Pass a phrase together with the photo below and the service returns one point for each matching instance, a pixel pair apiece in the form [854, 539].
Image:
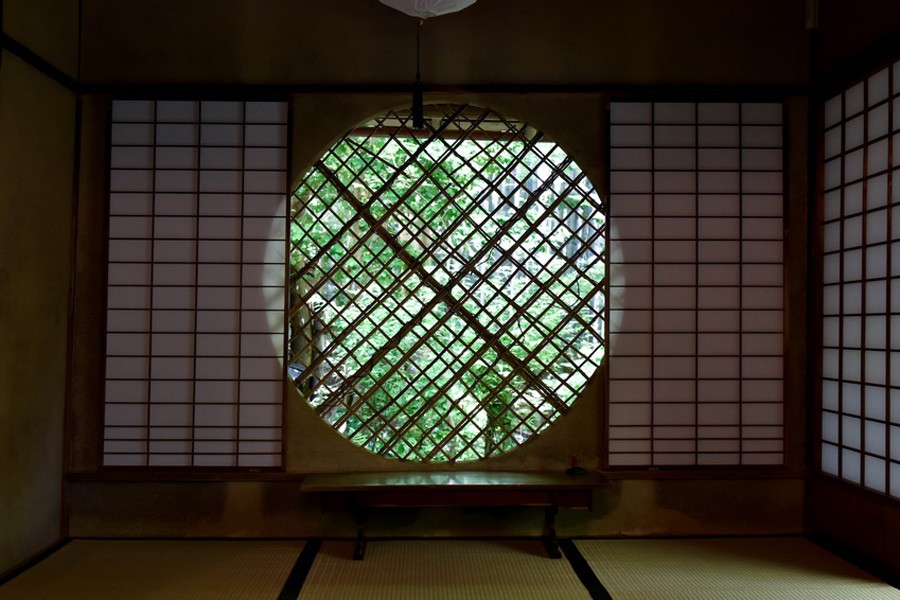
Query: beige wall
[493, 42]
[37, 124]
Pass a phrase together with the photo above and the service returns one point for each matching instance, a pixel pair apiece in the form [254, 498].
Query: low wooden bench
[362, 491]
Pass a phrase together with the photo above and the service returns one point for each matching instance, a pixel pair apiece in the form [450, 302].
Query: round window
[446, 284]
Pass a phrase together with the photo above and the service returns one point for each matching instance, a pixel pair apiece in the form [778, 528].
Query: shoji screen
[696, 284]
[861, 294]
[196, 284]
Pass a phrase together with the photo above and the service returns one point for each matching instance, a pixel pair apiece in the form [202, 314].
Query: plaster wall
[37, 125]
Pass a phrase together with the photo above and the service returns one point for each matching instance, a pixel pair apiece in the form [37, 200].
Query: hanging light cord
[418, 108]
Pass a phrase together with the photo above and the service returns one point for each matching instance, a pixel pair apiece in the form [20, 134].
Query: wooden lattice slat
[447, 284]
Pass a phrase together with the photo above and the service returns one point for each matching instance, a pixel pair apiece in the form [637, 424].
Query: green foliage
[447, 292]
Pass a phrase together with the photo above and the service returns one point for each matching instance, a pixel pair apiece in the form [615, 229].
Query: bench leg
[359, 552]
[551, 543]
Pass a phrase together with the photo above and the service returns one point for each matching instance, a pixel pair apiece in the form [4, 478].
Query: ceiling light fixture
[424, 9]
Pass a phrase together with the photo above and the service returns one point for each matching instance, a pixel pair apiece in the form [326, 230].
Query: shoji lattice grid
[861, 292]
[196, 284]
[696, 284]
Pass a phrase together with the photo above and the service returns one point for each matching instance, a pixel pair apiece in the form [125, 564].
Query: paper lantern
[428, 8]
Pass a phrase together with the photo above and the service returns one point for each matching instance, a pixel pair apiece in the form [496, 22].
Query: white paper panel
[175, 251]
[175, 181]
[133, 110]
[221, 158]
[833, 142]
[127, 344]
[217, 391]
[221, 181]
[628, 391]
[170, 134]
[127, 157]
[852, 331]
[876, 192]
[832, 173]
[830, 455]
[264, 229]
[877, 121]
[722, 390]
[622, 182]
[674, 135]
[265, 182]
[170, 274]
[879, 87]
[671, 368]
[623, 136]
[630, 112]
[263, 321]
[715, 344]
[222, 112]
[831, 300]
[260, 415]
[127, 367]
[174, 227]
[177, 111]
[266, 112]
[718, 112]
[682, 326]
[854, 99]
[853, 265]
[221, 135]
[719, 159]
[761, 113]
[130, 203]
[853, 199]
[172, 368]
[261, 391]
[877, 161]
[265, 158]
[674, 344]
[875, 474]
[759, 136]
[677, 159]
[132, 134]
[854, 133]
[132, 180]
[674, 112]
[675, 205]
[266, 135]
[631, 159]
[718, 182]
[130, 297]
[833, 110]
[217, 368]
[125, 415]
[127, 391]
[718, 136]
[853, 166]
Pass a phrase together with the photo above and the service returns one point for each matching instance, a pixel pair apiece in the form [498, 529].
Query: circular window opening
[446, 284]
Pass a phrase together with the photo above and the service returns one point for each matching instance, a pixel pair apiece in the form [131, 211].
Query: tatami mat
[441, 569]
[144, 569]
[733, 569]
